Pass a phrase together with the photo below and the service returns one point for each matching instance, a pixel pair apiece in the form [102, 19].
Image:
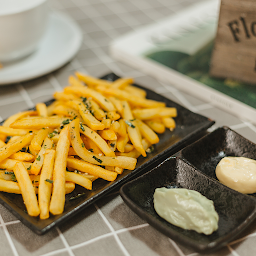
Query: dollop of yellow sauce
[238, 173]
[187, 209]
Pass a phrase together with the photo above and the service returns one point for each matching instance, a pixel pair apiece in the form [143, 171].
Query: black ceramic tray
[189, 127]
[214, 146]
[138, 195]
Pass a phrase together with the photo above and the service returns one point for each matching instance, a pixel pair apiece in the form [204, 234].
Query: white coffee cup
[22, 25]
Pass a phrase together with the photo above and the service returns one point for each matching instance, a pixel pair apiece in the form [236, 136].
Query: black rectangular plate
[189, 127]
[214, 146]
[138, 195]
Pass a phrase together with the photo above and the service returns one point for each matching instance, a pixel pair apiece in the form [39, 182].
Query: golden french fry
[97, 139]
[45, 184]
[79, 179]
[169, 122]
[126, 163]
[9, 186]
[58, 194]
[91, 169]
[156, 126]
[38, 139]
[147, 132]
[12, 132]
[69, 187]
[91, 81]
[38, 123]
[135, 137]
[151, 113]
[127, 113]
[27, 189]
[15, 146]
[41, 109]
[61, 96]
[22, 156]
[13, 187]
[38, 163]
[132, 129]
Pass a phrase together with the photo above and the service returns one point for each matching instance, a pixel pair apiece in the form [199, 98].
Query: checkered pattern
[108, 227]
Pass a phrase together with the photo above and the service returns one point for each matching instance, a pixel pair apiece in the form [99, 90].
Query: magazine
[178, 51]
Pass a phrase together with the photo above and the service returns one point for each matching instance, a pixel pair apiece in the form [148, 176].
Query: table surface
[108, 227]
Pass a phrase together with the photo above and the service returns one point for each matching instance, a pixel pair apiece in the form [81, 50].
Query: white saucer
[61, 42]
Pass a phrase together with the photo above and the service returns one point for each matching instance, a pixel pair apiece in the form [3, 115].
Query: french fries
[95, 129]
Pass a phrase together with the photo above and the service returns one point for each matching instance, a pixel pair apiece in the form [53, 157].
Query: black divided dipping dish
[206, 153]
[196, 170]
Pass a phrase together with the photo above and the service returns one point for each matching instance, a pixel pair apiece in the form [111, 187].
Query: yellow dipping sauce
[187, 209]
[238, 173]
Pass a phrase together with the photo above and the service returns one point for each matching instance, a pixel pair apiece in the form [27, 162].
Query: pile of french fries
[94, 129]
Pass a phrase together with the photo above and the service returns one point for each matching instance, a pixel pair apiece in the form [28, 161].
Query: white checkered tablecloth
[108, 227]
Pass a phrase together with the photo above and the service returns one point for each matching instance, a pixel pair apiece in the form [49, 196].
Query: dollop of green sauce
[187, 209]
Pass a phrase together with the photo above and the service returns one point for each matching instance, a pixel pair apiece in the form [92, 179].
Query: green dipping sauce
[187, 209]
